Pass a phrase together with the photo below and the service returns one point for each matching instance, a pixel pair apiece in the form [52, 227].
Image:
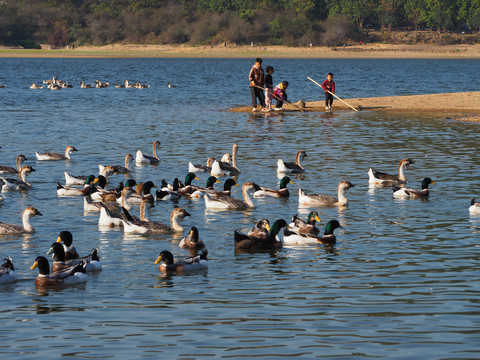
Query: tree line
[288, 22]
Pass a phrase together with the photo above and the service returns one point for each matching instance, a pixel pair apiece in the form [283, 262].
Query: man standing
[257, 79]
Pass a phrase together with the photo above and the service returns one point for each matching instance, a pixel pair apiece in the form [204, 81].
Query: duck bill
[50, 251]
[38, 213]
[158, 260]
[59, 239]
[34, 266]
[267, 226]
[317, 218]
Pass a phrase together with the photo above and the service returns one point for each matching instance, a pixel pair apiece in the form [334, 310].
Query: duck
[142, 226]
[231, 203]
[220, 168]
[402, 192]
[85, 86]
[117, 85]
[18, 184]
[261, 230]
[292, 168]
[194, 263]
[128, 84]
[191, 241]
[169, 192]
[199, 191]
[251, 243]
[141, 86]
[55, 156]
[10, 170]
[120, 169]
[142, 190]
[188, 188]
[60, 263]
[25, 228]
[474, 207]
[72, 275]
[99, 84]
[227, 189]
[67, 238]
[291, 237]
[381, 178]
[111, 213]
[35, 86]
[326, 200]
[201, 168]
[170, 85]
[63, 190]
[7, 271]
[142, 159]
[305, 227]
[118, 195]
[282, 192]
[74, 179]
[2, 86]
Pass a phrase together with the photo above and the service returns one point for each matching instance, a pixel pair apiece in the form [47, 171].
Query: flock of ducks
[115, 206]
[55, 84]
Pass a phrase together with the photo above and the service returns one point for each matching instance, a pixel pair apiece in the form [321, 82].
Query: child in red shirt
[330, 86]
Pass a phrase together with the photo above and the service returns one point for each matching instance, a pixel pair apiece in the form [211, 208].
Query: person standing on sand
[328, 85]
[257, 78]
[268, 89]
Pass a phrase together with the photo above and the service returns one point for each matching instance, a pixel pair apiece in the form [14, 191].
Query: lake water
[402, 280]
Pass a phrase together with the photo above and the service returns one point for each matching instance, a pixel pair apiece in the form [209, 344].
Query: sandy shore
[231, 51]
[460, 106]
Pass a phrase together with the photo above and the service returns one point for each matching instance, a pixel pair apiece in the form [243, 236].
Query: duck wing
[385, 176]
[10, 228]
[8, 170]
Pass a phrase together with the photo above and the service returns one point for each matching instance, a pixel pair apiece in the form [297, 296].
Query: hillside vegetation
[288, 22]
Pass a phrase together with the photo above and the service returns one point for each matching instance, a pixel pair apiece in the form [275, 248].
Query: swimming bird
[10, 170]
[292, 168]
[291, 237]
[71, 275]
[60, 263]
[142, 190]
[191, 241]
[25, 228]
[170, 85]
[221, 168]
[231, 203]
[142, 159]
[63, 190]
[283, 192]
[201, 168]
[128, 84]
[2, 86]
[474, 207]
[55, 156]
[402, 192]
[187, 188]
[381, 178]
[119, 169]
[251, 243]
[99, 84]
[35, 86]
[141, 86]
[67, 238]
[326, 200]
[111, 213]
[85, 86]
[168, 263]
[227, 189]
[18, 184]
[130, 225]
[7, 271]
[199, 191]
[261, 230]
[305, 227]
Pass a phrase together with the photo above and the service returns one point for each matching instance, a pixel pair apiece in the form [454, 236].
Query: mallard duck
[170, 85]
[231, 203]
[71, 275]
[292, 168]
[35, 86]
[261, 230]
[120, 169]
[291, 237]
[142, 159]
[167, 192]
[10, 170]
[67, 238]
[63, 190]
[188, 188]
[100, 84]
[381, 178]
[221, 168]
[191, 241]
[402, 192]
[85, 86]
[227, 189]
[326, 200]
[18, 184]
[116, 194]
[74, 179]
[141, 86]
[283, 192]
[128, 84]
[200, 168]
[130, 225]
[199, 191]
[60, 263]
[246, 242]
[55, 156]
[7, 272]
[193, 263]
[305, 227]
[13, 229]
[142, 190]
[474, 207]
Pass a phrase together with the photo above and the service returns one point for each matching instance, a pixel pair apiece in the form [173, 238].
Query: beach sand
[459, 106]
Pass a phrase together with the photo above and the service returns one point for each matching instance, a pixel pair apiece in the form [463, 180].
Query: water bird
[326, 200]
[261, 230]
[25, 228]
[66, 238]
[305, 227]
[83, 85]
[7, 271]
[2, 86]
[196, 168]
[292, 168]
[221, 168]
[282, 192]
[170, 85]
[56, 156]
[18, 184]
[10, 170]
[231, 203]
[63, 190]
[402, 192]
[192, 241]
[252, 242]
[142, 159]
[381, 178]
[291, 237]
[200, 191]
[72, 275]
[474, 207]
[60, 263]
[169, 264]
[120, 169]
[35, 86]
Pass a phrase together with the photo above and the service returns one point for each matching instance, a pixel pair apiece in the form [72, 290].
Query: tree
[415, 10]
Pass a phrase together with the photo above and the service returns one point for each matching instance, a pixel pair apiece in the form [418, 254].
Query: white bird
[142, 159]
[381, 178]
[474, 207]
[292, 168]
[326, 200]
[26, 227]
[55, 156]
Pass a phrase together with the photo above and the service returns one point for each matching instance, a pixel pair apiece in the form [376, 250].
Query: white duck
[142, 159]
[292, 168]
[55, 156]
[18, 184]
[7, 271]
[117, 169]
[26, 227]
[196, 168]
[381, 178]
[230, 203]
[326, 200]
[222, 168]
[474, 207]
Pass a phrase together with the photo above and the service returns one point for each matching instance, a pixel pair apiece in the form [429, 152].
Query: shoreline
[462, 106]
[365, 51]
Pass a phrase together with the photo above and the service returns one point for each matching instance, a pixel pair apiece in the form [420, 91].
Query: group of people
[261, 88]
